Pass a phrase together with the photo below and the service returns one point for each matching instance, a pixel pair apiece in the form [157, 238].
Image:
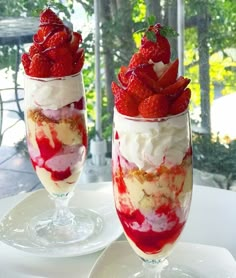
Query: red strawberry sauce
[150, 242]
[48, 149]
[47, 152]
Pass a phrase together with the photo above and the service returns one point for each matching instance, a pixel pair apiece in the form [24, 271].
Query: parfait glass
[152, 184]
[56, 131]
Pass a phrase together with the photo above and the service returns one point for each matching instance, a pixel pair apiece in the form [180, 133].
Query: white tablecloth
[212, 221]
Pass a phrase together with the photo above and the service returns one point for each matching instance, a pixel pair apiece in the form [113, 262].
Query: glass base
[173, 272]
[168, 272]
[45, 231]
[162, 269]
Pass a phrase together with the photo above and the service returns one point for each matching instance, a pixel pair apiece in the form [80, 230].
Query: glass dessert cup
[56, 130]
[152, 184]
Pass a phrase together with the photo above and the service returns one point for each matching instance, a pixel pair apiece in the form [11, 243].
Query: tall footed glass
[55, 116]
[152, 183]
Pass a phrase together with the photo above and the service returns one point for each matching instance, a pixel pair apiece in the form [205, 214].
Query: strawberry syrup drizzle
[149, 241]
[47, 152]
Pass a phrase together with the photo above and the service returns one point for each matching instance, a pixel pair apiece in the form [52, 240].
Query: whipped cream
[53, 93]
[149, 144]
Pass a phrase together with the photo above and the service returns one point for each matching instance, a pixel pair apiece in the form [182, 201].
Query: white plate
[202, 261]
[13, 226]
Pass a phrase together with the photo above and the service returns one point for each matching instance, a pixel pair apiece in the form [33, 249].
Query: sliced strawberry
[169, 76]
[80, 105]
[147, 75]
[59, 69]
[76, 55]
[25, 59]
[57, 39]
[44, 31]
[76, 40]
[40, 66]
[33, 50]
[38, 43]
[115, 88]
[124, 103]
[138, 89]
[122, 76]
[78, 61]
[48, 16]
[136, 60]
[181, 103]
[176, 88]
[155, 106]
[55, 53]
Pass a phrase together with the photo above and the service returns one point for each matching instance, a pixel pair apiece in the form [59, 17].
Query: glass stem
[154, 269]
[62, 216]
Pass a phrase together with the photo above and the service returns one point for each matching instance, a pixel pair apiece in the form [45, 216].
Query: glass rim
[158, 119]
[46, 79]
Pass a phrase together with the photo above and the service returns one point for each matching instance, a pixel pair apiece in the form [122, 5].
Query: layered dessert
[55, 104]
[152, 154]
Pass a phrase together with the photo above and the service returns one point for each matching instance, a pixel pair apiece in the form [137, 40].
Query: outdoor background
[209, 59]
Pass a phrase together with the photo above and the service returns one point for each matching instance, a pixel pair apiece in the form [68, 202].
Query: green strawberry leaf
[168, 32]
[151, 36]
[151, 20]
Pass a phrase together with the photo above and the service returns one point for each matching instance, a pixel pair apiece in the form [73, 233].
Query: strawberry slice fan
[152, 154]
[149, 86]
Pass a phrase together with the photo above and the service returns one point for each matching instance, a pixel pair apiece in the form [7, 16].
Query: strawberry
[122, 76]
[40, 66]
[159, 51]
[37, 43]
[155, 106]
[176, 88]
[25, 59]
[55, 53]
[181, 103]
[154, 46]
[45, 31]
[115, 88]
[124, 103]
[76, 40]
[80, 105]
[78, 61]
[57, 39]
[33, 50]
[147, 75]
[136, 60]
[47, 16]
[60, 69]
[138, 89]
[169, 76]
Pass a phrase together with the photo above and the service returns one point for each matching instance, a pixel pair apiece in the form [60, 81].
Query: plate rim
[117, 232]
[124, 244]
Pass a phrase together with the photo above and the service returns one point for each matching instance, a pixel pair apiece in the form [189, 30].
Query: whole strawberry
[155, 46]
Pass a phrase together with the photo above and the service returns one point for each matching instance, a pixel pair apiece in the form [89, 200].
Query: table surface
[17, 30]
[212, 221]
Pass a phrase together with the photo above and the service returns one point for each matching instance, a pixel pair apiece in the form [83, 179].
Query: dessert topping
[150, 83]
[56, 50]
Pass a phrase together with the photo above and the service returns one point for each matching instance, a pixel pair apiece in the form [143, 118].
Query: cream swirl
[149, 144]
[53, 93]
